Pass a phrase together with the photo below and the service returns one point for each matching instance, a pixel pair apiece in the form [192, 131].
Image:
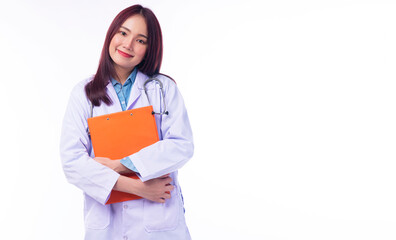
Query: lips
[124, 54]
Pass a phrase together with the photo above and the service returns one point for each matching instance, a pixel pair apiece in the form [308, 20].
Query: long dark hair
[150, 65]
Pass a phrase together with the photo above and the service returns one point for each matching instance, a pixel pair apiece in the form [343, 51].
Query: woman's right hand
[157, 189]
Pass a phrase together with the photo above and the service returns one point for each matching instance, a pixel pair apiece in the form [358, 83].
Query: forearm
[163, 157]
[128, 185]
[92, 178]
[175, 147]
[115, 165]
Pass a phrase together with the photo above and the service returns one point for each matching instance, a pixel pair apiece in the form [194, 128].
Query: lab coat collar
[140, 79]
[136, 90]
[113, 96]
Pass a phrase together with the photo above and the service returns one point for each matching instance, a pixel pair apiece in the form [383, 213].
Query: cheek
[141, 51]
[111, 46]
[114, 42]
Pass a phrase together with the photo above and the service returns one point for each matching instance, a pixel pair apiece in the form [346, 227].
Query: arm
[80, 169]
[176, 146]
[94, 178]
[116, 165]
[156, 190]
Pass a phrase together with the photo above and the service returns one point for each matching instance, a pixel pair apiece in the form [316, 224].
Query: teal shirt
[123, 92]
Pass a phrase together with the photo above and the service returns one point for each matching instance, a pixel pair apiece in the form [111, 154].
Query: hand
[157, 189]
[113, 164]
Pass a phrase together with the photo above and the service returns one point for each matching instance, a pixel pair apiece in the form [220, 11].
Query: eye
[141, 41]
[123, 33]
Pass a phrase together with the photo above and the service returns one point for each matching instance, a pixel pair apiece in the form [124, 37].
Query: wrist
[120, 168]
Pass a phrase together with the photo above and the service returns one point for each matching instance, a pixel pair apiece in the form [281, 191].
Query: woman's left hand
[113, 164]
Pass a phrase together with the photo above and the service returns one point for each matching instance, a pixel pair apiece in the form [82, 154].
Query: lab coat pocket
[97, 216]
[162, 216]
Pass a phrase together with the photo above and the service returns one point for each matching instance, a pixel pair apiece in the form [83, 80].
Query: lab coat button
[125, 206]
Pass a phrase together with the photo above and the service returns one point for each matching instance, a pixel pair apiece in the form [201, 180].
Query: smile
[124, 54]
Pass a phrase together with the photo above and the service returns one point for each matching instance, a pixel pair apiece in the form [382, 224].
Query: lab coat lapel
[136, 90]
[113, 95]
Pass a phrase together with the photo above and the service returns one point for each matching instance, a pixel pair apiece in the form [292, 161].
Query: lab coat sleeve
[80, 169]
[128, 164]
[176, 146]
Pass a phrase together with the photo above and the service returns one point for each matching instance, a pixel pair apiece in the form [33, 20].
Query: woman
[132, 53]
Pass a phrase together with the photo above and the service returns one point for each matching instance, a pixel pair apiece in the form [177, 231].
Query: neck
[121, 75]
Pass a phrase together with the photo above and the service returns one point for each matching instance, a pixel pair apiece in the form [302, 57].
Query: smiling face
[128, 46]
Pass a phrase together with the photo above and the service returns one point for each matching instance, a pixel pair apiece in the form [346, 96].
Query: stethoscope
[164, 112]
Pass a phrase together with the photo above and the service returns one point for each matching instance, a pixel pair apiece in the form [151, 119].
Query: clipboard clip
[164, 112]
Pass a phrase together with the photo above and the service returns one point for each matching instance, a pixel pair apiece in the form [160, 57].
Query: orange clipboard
[121, 134]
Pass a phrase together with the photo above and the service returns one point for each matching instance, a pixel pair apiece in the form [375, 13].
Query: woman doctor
[132, 53]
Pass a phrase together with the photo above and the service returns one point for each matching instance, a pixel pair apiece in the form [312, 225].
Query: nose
[128, 44]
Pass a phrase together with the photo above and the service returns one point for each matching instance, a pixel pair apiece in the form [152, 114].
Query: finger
[165, 176]
[164, 180]
[167, 180]
[167, 196]
[169, 188]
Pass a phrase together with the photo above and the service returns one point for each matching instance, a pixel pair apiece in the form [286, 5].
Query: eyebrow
[142, 35]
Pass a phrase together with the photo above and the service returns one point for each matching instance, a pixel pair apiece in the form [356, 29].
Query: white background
[292, 105]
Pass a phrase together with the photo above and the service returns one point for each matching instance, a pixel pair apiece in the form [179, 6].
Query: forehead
[136, 24]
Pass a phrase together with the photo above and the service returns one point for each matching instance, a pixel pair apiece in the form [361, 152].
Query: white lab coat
[137, 219]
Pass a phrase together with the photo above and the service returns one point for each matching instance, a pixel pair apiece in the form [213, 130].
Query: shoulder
[166, 81]
[80, 86]
[78, 91]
